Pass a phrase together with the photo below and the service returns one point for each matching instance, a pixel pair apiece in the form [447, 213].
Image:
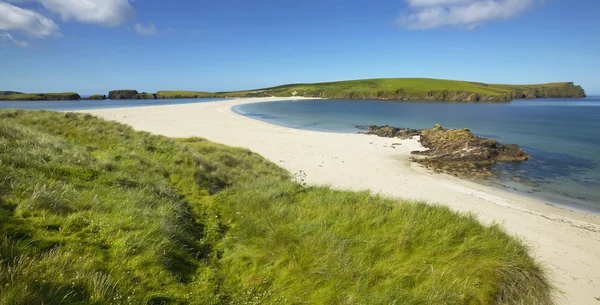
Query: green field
[93, 212]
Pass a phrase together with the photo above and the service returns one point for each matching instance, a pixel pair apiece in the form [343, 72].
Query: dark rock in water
[459, 145]
[455, 151]
[392, 132]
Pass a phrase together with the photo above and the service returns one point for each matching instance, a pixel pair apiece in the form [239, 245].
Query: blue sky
[93, 46]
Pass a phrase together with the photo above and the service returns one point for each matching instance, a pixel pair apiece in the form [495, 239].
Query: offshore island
[393, 89]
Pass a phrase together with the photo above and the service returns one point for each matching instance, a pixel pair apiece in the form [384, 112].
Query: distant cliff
[557, 90]
[130, 95]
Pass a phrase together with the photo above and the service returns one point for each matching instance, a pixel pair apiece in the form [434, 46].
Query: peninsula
[398, 89]
[392, 89]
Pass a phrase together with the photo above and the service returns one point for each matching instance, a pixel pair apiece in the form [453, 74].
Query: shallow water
[88, 105]
[562, 136]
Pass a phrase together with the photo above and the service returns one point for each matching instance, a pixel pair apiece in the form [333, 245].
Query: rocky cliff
[563, 90]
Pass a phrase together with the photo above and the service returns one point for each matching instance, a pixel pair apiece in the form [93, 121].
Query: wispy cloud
[142, 30]
[18, 43]
[108, 13]
[428, 14]
[13, 18]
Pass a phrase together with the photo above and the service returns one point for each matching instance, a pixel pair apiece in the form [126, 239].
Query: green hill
[93, 212]
[418, 89]
[401, 89]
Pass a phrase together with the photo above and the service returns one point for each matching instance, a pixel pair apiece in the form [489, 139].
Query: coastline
[566, 241]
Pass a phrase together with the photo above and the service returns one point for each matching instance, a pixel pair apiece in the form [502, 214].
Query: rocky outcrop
[460, 145]
[562, 90]
[130, 95]
[455, 151]
[122, 94]
[390, 132]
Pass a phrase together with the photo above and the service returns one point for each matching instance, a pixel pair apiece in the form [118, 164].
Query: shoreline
[566, 241]
[559, 200]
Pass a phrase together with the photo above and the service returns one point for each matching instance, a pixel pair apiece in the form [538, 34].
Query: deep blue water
[562, 136]
[87, 105]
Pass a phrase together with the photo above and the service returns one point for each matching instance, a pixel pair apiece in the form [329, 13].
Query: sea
[561, 135]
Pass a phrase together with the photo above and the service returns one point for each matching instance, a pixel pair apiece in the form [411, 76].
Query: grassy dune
[92, 212]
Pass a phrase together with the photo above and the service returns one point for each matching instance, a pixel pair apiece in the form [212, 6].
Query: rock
[392, 132]
[454, 151]
[122, 94]
[459, 145]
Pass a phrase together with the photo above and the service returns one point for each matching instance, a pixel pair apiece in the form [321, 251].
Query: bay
[562, 136]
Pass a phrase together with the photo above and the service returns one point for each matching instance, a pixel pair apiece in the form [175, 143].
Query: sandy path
[567, 242]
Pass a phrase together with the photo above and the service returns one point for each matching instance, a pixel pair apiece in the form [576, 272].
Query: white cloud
[108, 13]
[13, 18]
[428, 14]
[18, 43]
[142, 30]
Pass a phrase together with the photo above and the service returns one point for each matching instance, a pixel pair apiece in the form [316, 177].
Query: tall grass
[92, 212]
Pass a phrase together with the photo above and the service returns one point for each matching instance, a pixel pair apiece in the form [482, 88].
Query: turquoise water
[562, 136]
[88, 105]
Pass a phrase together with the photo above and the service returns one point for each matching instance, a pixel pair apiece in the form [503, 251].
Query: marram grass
[92, 212]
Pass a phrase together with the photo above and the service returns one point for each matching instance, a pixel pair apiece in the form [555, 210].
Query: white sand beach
[566, 241]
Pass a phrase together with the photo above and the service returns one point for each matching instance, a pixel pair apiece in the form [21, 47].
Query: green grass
[40, 96]
[92, 212]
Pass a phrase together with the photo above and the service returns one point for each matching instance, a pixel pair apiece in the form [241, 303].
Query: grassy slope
[394, 88]
[93, 212]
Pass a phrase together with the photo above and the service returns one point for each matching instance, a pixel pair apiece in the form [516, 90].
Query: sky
[93, 46]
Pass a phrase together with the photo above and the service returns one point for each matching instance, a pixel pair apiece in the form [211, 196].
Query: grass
[93, 212]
